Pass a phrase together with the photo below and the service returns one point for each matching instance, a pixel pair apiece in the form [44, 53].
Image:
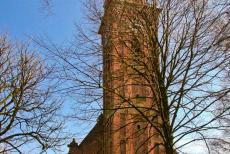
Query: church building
[124, 126]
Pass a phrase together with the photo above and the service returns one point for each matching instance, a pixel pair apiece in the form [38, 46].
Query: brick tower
[127, 99]
[128, 104]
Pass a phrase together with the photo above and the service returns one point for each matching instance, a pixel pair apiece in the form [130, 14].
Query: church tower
[126, 126]
[128, 101]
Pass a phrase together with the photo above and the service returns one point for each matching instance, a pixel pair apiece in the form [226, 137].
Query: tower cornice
[109, 4]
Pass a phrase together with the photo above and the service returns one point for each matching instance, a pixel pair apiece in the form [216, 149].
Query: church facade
[124, 126]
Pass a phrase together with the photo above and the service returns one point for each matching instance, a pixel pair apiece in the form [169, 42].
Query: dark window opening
[157, 150]
[137, 55]
[136, 48]
[142, 97]
[123, 147]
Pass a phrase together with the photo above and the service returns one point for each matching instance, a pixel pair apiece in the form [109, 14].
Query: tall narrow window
[157, 150]
[122, 147]
[137, 55]
[136, 48]
[123, 125]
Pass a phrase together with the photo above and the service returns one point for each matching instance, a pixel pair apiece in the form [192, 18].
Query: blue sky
[22, 19]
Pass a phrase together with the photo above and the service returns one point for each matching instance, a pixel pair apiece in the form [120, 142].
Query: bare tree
[182, 61]
[28, 111]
